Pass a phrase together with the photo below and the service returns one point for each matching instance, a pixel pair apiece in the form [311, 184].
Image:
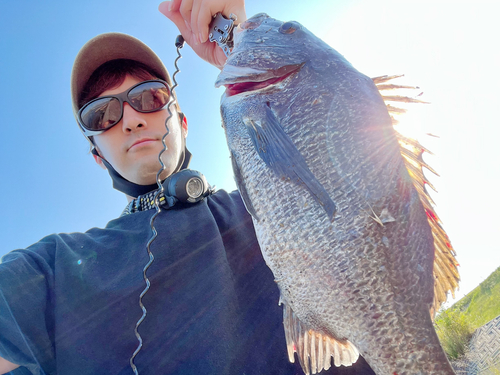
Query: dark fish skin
[338, 219]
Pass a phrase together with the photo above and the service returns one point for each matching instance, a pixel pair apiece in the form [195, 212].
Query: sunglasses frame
[122, 98]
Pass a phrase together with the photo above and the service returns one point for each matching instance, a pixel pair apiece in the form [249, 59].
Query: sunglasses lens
[101, 114]
[149, 96]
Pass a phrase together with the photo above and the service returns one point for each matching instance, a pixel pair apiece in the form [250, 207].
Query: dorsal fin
[446, 276]
[314, 349]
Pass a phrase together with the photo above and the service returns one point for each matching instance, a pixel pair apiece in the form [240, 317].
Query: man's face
[132, 145]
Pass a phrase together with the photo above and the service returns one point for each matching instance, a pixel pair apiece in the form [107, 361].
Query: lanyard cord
[179, 43]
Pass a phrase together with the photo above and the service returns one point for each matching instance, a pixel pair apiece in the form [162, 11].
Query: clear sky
[50, 183]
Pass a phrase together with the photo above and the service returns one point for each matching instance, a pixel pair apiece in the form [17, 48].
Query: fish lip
[244, 79]
[231, 74]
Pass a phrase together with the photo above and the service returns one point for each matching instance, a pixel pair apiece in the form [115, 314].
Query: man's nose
[132, 120]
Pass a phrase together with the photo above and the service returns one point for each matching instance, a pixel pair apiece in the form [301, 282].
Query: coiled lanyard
[221, 32]
[179, 43]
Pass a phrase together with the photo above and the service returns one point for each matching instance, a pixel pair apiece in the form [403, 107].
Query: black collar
[135, 190]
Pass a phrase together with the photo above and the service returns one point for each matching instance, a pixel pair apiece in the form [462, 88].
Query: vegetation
[454, 329]
[456, 325]
[483, 303]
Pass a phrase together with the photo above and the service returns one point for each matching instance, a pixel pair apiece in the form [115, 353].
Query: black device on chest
[186, 186]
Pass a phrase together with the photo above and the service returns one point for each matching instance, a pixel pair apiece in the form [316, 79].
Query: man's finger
[178, 20]
[203, 21]
[170, 6]
[185, 10]
[195, 26]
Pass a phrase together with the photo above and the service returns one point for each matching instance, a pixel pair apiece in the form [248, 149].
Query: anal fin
[314, 349]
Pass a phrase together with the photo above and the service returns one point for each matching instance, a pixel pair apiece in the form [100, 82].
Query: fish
[339, 202]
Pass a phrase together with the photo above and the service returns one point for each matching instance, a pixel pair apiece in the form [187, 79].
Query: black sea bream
[338, 202]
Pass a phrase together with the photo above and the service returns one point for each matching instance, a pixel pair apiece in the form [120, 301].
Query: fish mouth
[241, 79]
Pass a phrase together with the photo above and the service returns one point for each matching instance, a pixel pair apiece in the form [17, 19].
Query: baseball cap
[106, 47]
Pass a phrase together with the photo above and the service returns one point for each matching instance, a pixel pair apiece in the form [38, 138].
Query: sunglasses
[103, 113]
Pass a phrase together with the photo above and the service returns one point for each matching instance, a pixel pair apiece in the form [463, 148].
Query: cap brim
[107, 47]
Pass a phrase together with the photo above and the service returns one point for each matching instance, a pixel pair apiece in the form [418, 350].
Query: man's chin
[149, 177]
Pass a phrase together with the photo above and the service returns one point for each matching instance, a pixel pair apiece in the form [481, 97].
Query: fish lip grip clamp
[221, 32]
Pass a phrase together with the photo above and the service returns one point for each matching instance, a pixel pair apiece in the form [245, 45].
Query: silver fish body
[338, 218]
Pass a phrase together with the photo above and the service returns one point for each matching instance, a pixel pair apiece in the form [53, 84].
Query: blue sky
[49, 182]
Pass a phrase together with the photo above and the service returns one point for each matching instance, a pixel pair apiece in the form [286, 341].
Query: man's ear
[184, 123]
[98, 158]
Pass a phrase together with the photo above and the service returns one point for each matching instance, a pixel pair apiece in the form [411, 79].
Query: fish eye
[289, 27]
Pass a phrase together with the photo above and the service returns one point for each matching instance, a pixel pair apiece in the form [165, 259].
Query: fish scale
[338, 217]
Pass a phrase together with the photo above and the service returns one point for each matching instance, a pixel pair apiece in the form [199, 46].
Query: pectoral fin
[315, 349]
[242, 187]
[280, 154]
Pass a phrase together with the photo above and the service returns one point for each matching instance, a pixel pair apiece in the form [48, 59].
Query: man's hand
[192, 18]
[6, 366]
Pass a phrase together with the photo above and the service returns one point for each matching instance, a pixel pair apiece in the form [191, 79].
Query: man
[70, 303]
